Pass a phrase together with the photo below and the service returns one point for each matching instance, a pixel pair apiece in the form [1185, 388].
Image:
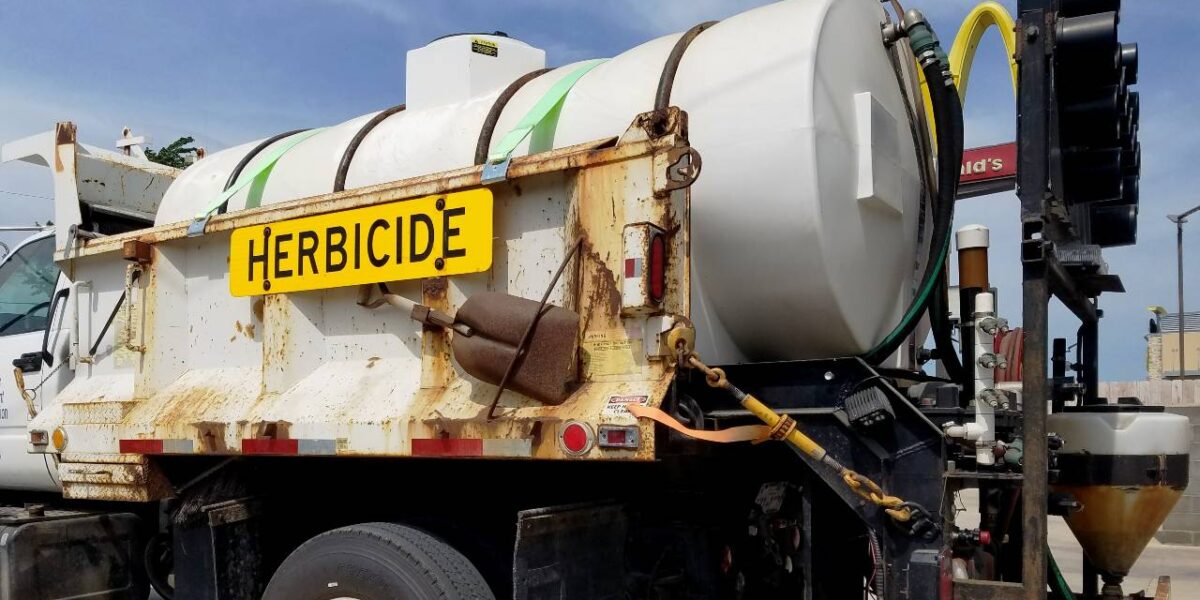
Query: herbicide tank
[805, 218]
[1127, 466]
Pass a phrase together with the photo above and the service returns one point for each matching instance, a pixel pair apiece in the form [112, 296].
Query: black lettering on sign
[357, 245]
[308, 241]
[381, 260]
[257, 258]
[281, 255]
[449, 232]
[413, 255]
[331, 248]
[399, 240]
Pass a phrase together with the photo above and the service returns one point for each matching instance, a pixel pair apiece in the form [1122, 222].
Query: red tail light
[619, 436]
[657, 273]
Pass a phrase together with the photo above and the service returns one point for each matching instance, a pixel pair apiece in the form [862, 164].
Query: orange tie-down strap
[744, 433]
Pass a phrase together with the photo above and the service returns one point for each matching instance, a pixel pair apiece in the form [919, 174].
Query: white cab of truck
[29, 279]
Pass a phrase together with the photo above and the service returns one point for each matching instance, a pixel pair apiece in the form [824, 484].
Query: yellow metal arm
[962, 53]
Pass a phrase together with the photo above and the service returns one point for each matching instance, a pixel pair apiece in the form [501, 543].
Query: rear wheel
[376, 561]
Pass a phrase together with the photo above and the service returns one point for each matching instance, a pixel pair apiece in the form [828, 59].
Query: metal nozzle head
[912, 17]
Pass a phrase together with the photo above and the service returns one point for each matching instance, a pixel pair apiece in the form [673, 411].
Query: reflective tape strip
[141, 446]
[318, 447]
[177, 447]
[270, 446]
[447, 447]
[144, 446]
[511, 448]
[633, 268]
[499, 447]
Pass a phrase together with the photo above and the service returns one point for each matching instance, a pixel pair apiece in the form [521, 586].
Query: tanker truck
[651, 326]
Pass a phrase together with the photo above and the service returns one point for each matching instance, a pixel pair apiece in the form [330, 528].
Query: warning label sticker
[609, 353]
[617, 406]
[482, 46]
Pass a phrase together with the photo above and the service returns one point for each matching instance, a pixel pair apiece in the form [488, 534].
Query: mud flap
[220, 556]
[573, 551]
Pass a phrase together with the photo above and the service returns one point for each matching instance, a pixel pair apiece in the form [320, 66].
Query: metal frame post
[1033, 129]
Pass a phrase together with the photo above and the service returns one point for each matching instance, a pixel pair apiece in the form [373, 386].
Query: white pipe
[985, 380]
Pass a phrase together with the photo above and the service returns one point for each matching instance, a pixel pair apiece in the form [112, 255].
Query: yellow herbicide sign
[447, 234]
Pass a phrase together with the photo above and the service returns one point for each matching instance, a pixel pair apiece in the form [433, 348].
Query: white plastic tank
[804, 219]
[1127, 465]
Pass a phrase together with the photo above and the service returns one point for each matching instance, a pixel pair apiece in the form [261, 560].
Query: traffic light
[1098, 151]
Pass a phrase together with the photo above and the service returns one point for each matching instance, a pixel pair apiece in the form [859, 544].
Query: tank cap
[972, 236]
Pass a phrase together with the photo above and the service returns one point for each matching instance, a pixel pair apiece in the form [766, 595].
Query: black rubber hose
[947, 118]
[242, 164]
[939, 324]
[666, 79]
[339, 179]
[489, 123]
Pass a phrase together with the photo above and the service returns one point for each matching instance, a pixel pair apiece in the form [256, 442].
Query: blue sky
[228, 71]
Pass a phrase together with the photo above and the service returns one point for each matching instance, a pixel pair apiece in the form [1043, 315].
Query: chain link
[914, 517]
[34, 390]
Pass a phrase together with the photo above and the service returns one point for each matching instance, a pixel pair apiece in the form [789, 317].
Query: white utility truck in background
[462, 348]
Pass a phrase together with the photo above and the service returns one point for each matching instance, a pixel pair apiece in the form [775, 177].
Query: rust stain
[182, 407]
[437, 369]
[114, 482]
[211, 435]
[275, 430]
[249, 330]
[64, 135]
[371, 361]
[1116, 522]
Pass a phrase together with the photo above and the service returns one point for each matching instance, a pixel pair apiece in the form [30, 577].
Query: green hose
[1058, 586]
[917, 307]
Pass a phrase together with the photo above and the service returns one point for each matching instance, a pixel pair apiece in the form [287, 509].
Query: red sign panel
[989, 163]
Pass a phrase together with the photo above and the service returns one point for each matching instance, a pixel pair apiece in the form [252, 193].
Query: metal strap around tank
[666, 80]
[339, 180]
[493, 116]
[241, 166]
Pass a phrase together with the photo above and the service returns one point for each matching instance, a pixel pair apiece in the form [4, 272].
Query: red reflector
[576, 438]
[447, 447]
[141, 446]
[619, 436]
[657, 272]
[630, 268]
[615, 437]
[270, 446]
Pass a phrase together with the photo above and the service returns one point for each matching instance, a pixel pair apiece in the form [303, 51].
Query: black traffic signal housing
[1097, 147]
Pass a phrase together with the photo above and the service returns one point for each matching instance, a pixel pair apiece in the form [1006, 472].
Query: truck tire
[376, 561]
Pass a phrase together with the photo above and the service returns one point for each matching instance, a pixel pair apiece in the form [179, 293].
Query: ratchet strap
[745, 433]
[496, 167]
[916, 519]
[260, 171]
